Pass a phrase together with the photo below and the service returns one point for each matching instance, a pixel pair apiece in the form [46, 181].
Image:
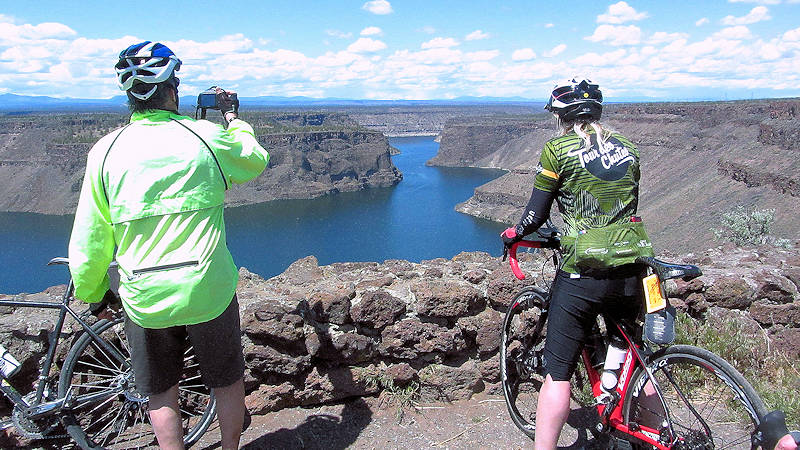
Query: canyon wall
[698, 161]
[43, 157]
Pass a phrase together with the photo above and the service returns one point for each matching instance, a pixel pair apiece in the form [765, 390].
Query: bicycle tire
[120, 420]
[711, 405]
[521, 361]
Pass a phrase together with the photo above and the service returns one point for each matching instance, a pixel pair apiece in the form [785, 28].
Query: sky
[413, 49]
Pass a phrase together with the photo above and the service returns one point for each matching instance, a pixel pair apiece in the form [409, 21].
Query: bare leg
[230, 411]
[166, 419]
[551, 413]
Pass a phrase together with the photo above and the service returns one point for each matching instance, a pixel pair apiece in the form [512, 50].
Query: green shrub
[770, 372]
[746, 225]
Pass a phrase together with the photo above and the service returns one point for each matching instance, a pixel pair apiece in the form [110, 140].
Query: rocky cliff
[316, 334]
[42, 158]
[698, 161]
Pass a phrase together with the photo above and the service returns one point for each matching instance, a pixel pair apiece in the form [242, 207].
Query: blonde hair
[579, 127]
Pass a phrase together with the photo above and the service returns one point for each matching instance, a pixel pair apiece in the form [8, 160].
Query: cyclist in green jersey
[593, 175]
[152, 198]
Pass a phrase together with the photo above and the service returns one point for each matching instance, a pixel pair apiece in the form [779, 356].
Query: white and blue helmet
[146, 63]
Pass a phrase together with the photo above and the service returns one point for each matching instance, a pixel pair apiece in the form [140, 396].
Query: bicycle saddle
[667, 271]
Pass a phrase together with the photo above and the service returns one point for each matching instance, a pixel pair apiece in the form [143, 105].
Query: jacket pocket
[136, 273]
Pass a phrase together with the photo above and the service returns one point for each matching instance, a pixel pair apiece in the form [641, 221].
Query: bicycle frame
[36, 409]
[610, 413]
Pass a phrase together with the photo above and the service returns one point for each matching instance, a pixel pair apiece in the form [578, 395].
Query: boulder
[270, 397]
[330, 384]
[277, 322]
[484, 328]
[410, 339]
[446, 299]
[730, 292]
[332, 305]
[377, 309]
[439, 382]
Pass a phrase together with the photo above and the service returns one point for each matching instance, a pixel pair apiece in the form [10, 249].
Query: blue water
[414, 220]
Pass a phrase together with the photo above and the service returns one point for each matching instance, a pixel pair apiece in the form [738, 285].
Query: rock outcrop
[42, 158]
[316, 334]
[698, 161]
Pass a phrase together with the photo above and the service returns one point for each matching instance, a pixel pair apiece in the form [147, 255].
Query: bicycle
[675, 396]
[94, 397]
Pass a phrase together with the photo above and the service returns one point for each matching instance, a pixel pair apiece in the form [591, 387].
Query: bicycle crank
[42, 428]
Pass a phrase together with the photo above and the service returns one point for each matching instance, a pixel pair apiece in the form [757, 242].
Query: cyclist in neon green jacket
[152, 198]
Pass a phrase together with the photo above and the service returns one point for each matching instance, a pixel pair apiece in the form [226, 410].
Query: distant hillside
[32, 103]
[698, 161]
[42, 158]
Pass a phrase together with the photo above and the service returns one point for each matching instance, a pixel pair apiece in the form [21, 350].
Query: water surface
[414, 220]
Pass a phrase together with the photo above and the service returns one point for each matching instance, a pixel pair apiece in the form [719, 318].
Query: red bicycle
[667, 396]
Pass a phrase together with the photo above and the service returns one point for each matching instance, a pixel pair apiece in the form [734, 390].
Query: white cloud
[792, 35]
[620, 12]
[427, 29]
[366, 45]
[477, 35]
[339, 34]
[380, 7]
[616, 35]
[549, 25]
[557, 50]
[440, 42]
[371, 31]
[661, 37]
[483, 55]
[737, 32]
[48, 30]
[523, 54]
[757, 14]
[702, 21]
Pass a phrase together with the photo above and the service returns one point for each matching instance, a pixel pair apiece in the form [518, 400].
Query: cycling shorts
[575, 305]
[157, 354]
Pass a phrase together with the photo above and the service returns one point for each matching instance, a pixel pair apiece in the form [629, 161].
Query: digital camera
[208, 98]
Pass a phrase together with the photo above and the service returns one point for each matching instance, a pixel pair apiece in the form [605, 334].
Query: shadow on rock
[319, 431]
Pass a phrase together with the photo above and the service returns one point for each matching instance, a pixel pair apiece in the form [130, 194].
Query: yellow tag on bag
[652, 294]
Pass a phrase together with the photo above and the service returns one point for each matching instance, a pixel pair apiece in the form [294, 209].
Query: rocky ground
[420, 333]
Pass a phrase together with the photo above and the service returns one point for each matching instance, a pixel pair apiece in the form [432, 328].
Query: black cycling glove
[227, 102]
[110, 298]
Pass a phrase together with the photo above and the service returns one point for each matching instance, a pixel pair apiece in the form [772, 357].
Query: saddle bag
[612, 246]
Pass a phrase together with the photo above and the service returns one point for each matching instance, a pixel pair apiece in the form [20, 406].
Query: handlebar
[547, 241]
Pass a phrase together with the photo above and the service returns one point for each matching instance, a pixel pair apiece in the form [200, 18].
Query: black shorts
[157, 354]
[574, 307]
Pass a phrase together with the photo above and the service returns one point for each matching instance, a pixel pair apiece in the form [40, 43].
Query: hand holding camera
[227, 102]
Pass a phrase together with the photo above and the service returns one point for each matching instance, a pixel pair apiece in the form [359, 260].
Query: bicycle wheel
[710, 403]
[116, 416]
[521, 362]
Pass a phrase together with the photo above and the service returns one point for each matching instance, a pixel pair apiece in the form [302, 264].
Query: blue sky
[413, 49]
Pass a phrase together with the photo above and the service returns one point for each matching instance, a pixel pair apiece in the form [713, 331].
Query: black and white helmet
[576, 99]
[146, 63]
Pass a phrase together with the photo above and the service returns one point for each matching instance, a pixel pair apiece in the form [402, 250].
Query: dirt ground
[378, 423]
[374, 423]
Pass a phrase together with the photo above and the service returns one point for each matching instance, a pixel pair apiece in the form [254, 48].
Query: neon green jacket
[155, 189]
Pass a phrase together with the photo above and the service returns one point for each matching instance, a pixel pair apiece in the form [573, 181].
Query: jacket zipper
[139, 272]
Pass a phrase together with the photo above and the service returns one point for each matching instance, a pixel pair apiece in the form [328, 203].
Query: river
[414, 220]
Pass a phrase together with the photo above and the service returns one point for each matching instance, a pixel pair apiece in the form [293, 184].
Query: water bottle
[8, 364]
[614, 358]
